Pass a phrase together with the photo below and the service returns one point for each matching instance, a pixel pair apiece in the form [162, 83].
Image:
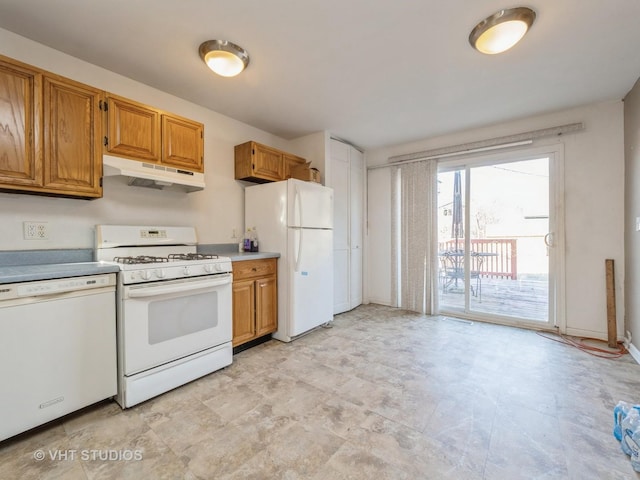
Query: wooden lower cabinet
[255, 299]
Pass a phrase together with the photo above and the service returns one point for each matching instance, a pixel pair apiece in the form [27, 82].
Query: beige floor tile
[384, 394]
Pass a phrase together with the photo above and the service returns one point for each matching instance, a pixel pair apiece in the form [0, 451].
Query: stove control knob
[218, 267]
[145, 274]
[208, 268]
[186, 271]
[160, 273]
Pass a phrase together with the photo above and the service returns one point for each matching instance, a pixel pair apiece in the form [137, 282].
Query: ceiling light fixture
[502, 30]
[224, 58]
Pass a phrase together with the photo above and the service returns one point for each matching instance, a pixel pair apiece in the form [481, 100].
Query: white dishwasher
[57, 348]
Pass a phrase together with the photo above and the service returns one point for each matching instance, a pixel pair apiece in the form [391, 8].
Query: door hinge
[101, 181]
[104, 106]
[253, 166]
[253, 151]
[106, 141]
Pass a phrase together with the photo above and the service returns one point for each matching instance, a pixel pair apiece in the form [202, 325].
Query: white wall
[314, 147]
[594, 206]
[215, 211]
[632, 206]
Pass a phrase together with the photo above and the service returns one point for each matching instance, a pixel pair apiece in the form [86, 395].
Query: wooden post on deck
[612, 333]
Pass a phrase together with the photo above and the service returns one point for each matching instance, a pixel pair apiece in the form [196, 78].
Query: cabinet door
[182, 143]
[243, 311]
[289, 162]
[266, 305]
[20, 125]
[72, 150]
[267, 163]
[134, 130]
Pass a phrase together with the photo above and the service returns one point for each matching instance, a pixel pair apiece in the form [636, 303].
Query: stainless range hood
[150, 175]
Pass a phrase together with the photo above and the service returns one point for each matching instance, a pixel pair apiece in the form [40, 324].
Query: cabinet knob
[254, 269]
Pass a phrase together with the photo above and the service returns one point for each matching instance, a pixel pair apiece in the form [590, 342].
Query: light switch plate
[637, 224]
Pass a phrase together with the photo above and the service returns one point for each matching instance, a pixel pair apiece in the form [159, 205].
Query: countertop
[28, 273]
[33, 265]
[240, 256]
[231, 250]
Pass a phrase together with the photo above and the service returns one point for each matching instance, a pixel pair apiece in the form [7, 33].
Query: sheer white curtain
[414, 236]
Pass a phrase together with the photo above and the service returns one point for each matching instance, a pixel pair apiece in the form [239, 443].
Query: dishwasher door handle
[48, 297]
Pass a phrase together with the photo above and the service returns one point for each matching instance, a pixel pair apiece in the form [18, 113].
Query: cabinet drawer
[254, 268]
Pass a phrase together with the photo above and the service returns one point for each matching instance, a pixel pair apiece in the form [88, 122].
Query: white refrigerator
[295, 218]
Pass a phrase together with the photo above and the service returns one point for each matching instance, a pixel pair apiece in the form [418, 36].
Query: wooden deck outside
[499, 255]
[525, 298]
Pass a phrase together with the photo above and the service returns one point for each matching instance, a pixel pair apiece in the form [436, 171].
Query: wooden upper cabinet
[267, 163]
[144, 133]
[20, 125]
[50, 133]
[290, 161]
[182, 143]
[72, 148]
[259, 163]
[133, 130]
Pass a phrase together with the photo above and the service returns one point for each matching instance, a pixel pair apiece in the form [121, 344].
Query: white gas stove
[146, 254]
[173, 308]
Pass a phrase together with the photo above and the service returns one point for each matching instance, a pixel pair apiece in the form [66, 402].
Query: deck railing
[502, 263]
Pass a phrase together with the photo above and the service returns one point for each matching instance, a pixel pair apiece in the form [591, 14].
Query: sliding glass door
[495, 240]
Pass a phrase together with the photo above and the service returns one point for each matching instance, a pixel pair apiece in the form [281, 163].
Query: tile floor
[384, 394]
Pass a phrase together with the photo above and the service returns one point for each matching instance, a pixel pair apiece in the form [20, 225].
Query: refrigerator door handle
[298, 200]
[299, 253]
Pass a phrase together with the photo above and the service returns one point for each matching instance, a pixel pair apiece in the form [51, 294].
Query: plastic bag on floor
[620, 411]
[626, 429]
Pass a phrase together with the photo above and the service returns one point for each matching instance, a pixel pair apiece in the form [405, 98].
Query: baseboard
[635, 353]
[578, 332]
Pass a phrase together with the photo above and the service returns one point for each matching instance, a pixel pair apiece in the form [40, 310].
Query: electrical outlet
[36, 230]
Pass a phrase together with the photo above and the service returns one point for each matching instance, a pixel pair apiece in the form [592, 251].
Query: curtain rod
[525, 138]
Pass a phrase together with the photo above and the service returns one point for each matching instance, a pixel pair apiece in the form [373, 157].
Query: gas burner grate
[191, 256]
[140, 259]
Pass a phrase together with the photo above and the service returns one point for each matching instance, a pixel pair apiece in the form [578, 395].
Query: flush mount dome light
[224, 58]
[502, 30]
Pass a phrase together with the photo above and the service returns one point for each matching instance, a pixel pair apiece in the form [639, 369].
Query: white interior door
[356, 214]
[341, 250]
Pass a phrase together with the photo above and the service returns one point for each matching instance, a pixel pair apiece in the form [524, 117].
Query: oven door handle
[153, 291]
